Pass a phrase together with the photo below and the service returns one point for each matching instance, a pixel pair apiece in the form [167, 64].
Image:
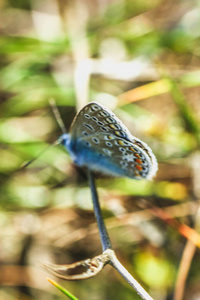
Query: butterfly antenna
[58, 141]
[25, 165]
[57, 115]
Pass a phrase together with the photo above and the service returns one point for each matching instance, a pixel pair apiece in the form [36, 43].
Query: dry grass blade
[80, 270]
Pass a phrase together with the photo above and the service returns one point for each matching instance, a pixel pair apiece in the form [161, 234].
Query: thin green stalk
[62, 289]
[186, 111]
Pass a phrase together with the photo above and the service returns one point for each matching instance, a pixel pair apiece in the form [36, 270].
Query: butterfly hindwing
[108, 154]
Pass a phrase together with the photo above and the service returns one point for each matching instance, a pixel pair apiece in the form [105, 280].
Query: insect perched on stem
[99, 141]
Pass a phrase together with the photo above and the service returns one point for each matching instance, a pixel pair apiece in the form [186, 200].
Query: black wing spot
[104, 129]
[88, 126]
[95, 140]
[87, 116]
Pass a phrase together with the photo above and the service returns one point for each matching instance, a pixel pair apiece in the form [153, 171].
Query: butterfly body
[99, 141]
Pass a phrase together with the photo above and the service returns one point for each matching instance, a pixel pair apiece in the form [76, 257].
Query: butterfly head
[64, 139]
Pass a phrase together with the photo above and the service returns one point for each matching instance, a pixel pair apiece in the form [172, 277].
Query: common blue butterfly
[99, 141]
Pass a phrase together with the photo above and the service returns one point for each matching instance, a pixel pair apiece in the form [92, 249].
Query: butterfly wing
[96, 118]
[100, 141]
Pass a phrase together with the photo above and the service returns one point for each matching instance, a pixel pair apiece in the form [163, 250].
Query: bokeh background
[142, 60]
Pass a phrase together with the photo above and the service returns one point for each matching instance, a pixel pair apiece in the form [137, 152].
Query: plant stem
[129, 278]
[106, 243]
[105, 240]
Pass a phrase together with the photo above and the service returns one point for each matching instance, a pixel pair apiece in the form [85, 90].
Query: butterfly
[99, 141]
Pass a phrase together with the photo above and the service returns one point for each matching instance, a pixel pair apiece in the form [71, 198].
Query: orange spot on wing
[138, 161]
[139, 167]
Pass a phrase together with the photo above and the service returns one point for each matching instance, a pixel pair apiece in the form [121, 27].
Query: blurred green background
[142, 60]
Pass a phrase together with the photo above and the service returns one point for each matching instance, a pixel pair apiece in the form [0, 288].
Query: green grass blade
[63, 290]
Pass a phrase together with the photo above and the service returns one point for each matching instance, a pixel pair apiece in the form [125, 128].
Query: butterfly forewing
[95, 118]
[101, 142]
